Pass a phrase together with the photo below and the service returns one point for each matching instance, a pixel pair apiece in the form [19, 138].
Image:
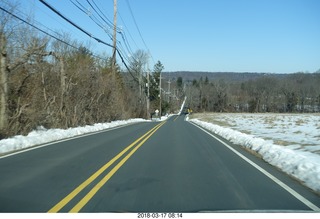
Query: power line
[103, 17]
[85, 32]
[80, 8]
[66, 43]
[44, 32]
[36, 7]
[78, 27]
[100, 23]
[107, 21]
[127, 30]
[119, 30]
[26, 22]
[135, 22]
[126, 43]
[65, 18]
[92, 17]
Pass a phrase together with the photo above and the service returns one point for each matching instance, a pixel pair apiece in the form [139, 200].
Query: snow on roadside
[182, 105]
[42, 135]
[296, 131]
[303, 165]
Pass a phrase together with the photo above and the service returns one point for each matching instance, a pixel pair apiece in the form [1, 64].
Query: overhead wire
[36, 7]
[44, 32]
[92, 17]
[65, 18]
[68, 44]
[124, 45]
[100, 24]
[99, 12]
[105, 19]
[135, 22]
[127, 30]
[119, 30]
[86, 32]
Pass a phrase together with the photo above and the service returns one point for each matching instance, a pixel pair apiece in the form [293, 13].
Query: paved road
[170, 166]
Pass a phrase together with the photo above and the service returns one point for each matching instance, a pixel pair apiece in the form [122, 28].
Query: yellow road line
[96, 188]
[76, 191]
[176, 118]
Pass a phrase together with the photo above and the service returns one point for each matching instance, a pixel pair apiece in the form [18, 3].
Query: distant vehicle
[186, 110]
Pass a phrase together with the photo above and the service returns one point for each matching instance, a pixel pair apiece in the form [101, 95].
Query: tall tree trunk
[63, 90]
[3, 84]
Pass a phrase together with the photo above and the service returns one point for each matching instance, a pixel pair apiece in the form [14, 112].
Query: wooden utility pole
[148, 89]
[114, 52]
[160, 95]
[148, 95]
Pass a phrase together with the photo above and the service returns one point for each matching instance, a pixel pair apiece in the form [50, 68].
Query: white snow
[42, 135]
[287, 141]
[182, 105]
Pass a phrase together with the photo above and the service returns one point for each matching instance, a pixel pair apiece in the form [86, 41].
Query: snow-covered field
[288, 141]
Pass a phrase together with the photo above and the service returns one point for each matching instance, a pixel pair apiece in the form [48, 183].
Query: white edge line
[273, 178]
[63, 140]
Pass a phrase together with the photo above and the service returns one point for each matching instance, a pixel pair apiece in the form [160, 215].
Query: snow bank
[182, 105]
[296, 131]
[42, 135]
[303, 165]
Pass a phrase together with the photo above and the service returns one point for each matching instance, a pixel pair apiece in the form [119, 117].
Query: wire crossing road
[170, 166]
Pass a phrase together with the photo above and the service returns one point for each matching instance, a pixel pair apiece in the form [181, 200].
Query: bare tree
[6, 24]
[17, 55]
[137, 65]
[3, 83]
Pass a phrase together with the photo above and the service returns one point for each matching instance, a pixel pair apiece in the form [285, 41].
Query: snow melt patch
[303, 165]
[42, 135]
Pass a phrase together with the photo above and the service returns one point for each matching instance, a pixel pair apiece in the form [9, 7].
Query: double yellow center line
[135, 145]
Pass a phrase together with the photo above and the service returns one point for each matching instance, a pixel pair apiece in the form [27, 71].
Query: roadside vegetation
[290, 93]
[58, 82]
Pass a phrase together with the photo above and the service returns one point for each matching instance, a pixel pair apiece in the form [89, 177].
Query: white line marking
[62, 140]
[273, 178]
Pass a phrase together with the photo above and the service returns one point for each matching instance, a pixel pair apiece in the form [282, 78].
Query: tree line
[292, 93]
[59, 83]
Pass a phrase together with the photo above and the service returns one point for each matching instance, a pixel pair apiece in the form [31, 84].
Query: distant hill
[226, 76]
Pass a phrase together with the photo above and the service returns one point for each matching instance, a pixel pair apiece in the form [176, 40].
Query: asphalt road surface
[170, 166]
